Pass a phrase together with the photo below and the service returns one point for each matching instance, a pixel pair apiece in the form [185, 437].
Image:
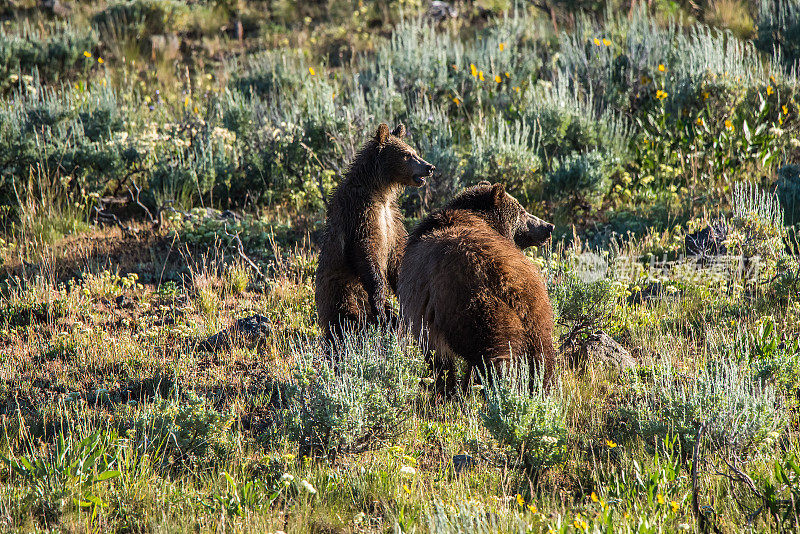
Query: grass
[118, 160]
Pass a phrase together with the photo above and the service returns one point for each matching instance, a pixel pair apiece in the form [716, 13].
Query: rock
[440, 11]
[652, 291]
[600, 347]
[463, 461]
[253, 330]
[710, 241]
[164, 46]
[56, 8]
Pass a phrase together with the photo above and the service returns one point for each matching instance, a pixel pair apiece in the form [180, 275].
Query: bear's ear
[400, 131]
[382, 134]
[484, 182]
[498, 193]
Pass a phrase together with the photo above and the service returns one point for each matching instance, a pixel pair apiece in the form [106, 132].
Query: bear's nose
[550, 228]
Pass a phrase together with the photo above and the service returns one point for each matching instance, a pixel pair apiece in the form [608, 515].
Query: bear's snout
[423, 170]
[533, 231]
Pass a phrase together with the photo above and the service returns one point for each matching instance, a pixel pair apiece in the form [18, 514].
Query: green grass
[629, 132]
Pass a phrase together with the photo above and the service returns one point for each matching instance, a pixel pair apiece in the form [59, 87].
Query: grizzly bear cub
[465, 283]
[364, 235]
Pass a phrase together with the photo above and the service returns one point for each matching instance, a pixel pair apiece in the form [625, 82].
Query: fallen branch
[240, 249]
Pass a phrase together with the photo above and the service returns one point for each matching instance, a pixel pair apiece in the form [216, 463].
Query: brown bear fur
[364, 234]
[465, 282]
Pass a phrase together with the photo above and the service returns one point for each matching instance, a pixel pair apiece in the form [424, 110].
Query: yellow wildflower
[311, 71]
[699, 121]
[780, 121]
[610, 444]
[705, 95]
[516, 88]
[455, 67]
[186, 102]
[661, 67]
[728, 124]
[101, 60]
[594, 497]
[406, 488]
[196, 110]
[473, 69]
[661, 95]
[86, 53]
[520, 500]
[785, 109]
[660, 499]
[675, 506]
[606, 42]
[769, 90]
[507, 74]
[597, 41]
[456, 100]
[497, 78]
[501, 46]
[532, 508]
[480, 75]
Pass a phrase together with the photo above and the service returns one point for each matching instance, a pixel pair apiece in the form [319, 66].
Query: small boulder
[601, 348]
[710, 241]
[463, 462]
[252, 330]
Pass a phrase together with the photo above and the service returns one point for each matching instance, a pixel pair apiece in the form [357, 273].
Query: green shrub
[527, 419]
[184, 430]
[580, 181]
[54, 55]
[740, 413]
[788, 190]
[779, 29]
[508, 154]
[140, 18]
[354, 404]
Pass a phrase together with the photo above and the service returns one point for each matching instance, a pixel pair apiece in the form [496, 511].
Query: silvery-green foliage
[430, 133]
[472, 517]
[186, 429]
[739, 412]
[506, 153]
[788, 191]
[365, 396]
[779, 30]
[570, 121]
[527, 419]
[53, 54]
[581, 181]
[638, 44]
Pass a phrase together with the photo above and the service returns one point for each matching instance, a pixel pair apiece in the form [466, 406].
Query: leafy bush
[360, 400]
[185, 430]
[508, 154]
[527, 419]
[779, 29]
[739, 413]
[53, 55]
[788, 190]
[580, 181]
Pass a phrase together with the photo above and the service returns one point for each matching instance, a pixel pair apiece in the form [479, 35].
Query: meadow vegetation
[164, 166]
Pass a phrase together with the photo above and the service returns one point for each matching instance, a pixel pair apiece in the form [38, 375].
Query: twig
[240, 250]
[695, 486]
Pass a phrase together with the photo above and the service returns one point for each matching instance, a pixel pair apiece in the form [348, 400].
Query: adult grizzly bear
[364, 234]
[466, 283]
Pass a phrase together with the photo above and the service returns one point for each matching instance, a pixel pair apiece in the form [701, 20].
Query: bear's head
[398, 162]
[504, 213]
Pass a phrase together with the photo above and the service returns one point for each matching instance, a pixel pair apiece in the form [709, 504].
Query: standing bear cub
[466, 284]
[364, 235]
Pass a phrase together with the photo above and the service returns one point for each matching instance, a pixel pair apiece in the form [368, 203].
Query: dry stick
[695, 488]
[240, 250]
